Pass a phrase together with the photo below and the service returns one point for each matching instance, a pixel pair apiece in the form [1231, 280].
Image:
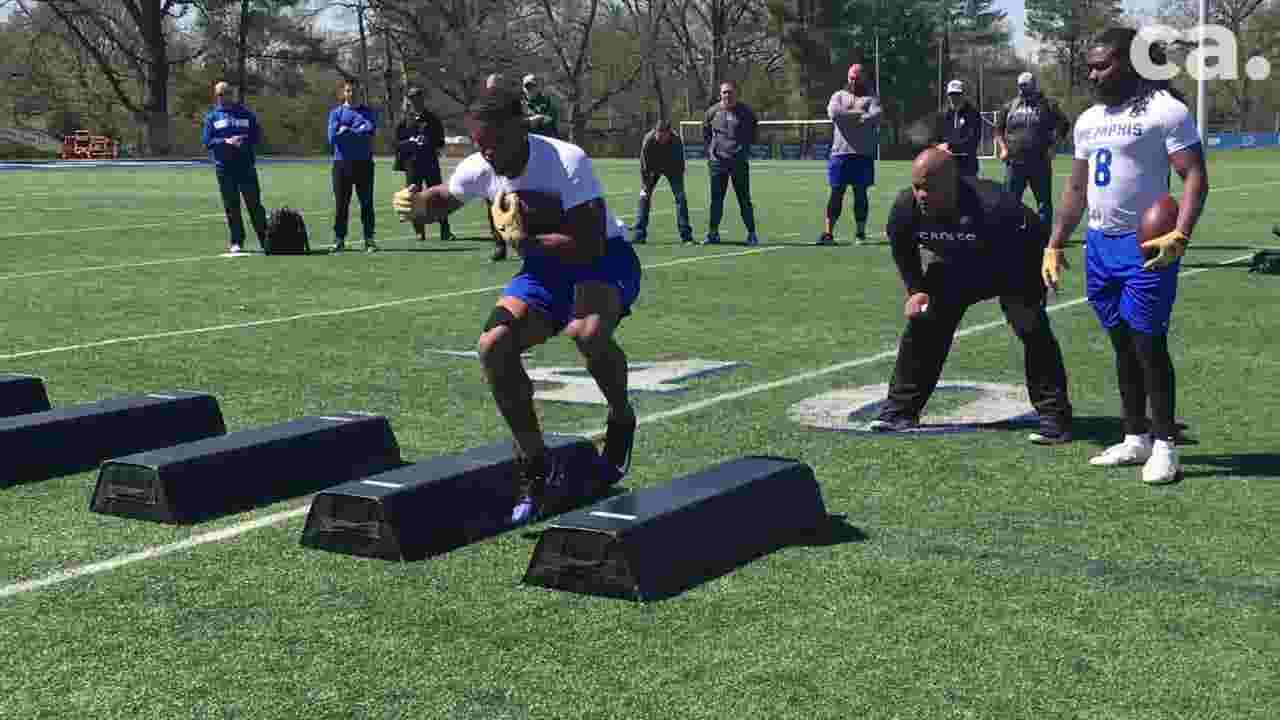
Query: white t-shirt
[554, 166]
[1129, 158]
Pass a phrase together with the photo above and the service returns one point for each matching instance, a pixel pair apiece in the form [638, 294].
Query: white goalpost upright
[987, 141]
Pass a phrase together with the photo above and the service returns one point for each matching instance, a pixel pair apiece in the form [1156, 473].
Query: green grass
[989, 578]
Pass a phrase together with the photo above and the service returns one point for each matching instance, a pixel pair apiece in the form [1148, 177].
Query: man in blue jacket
[230, 134]
[351, 130]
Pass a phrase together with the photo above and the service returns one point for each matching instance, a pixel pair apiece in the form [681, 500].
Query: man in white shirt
[1124, 148]
[580, 280]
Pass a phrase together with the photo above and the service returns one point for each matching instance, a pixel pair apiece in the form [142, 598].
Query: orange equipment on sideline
[83, 146]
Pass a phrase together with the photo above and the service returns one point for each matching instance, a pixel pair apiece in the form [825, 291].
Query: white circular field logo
[962, 405]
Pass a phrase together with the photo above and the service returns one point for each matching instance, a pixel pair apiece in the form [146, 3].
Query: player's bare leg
[597, 309]
[500, 346]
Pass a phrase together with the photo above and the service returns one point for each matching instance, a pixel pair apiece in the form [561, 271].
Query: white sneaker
[1162, 467]
[235, 249]
[1135, 450]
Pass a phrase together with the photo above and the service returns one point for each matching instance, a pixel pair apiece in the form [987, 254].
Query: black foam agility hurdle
[657, 542]
[56, 442]
[22, 394]
[435, 506]
[207, 478]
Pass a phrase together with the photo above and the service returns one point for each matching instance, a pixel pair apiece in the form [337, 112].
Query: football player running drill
[580, 278]
[1124, 147]
[987, 244]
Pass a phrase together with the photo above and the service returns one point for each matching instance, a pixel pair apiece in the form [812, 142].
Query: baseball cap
[414, 92]
[1026, 79]
[955, 87]
[529, 79]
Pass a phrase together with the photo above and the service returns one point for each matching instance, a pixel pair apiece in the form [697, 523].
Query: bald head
[934, 182]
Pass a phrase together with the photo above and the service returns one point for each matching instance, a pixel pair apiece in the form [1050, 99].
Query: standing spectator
[959, 128]
[231, 133]
[855, 115]
[351, 129]
[541, 112]
[662, 155]
[1028, 129]
[729, 130]
[419, 139]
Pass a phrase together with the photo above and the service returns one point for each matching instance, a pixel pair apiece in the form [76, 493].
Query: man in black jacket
[959, 129]
[729, 130]
[985, 244]
[419, 139]
[662, 155]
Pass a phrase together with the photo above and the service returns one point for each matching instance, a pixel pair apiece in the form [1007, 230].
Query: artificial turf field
[973, 575]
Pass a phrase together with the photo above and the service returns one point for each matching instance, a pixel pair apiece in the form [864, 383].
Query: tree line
[141, 70]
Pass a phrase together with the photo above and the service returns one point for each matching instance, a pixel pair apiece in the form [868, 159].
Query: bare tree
[713, 38]
[1239, 17]
[134, 44]
[648, 21]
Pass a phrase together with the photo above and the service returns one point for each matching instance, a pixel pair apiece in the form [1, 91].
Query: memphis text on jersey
[1111, 130]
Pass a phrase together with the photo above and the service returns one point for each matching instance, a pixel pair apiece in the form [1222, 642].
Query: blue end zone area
[192, 162]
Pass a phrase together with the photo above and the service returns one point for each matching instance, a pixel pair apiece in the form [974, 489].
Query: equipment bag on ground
[286, 233]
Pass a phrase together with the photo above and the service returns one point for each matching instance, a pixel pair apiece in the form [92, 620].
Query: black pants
[927, 339]
[722, 172]
[426, 174]
[348, 174]
[233, 183]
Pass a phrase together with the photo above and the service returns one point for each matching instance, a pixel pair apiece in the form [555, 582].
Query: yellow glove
[1170, 247]
[1051, 267]
[408, 202]
[508, 219]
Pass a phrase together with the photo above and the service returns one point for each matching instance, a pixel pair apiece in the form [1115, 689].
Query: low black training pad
[434, 506]
[22, 394]
[217, 476]
[658, 541]
[72, 439]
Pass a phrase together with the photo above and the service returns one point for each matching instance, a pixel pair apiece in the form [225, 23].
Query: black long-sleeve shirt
[960, 129]
[991, 231]
[419, 137]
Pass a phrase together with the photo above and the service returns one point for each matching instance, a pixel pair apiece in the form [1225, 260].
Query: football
[543, 212]
[1159, 219]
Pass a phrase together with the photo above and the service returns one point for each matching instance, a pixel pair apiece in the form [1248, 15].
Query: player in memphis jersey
[230, 134]
[580, 280]
[1124, 148]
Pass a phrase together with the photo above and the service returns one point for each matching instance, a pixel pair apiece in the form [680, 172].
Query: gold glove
[1168, 247]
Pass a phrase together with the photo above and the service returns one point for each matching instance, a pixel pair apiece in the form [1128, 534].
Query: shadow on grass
[1107, 430]
[1260, 465]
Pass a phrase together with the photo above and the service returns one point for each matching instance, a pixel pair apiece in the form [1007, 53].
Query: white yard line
[241, 528]
[335, 312]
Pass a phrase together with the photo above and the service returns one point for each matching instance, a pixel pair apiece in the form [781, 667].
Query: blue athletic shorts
[547, 284]
[851, 170]
[1120, 290]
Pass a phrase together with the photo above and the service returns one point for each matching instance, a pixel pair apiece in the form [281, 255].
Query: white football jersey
[1129, 157]
[554, 166]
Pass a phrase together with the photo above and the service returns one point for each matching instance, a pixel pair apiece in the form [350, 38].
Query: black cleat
[1276, 230]
[619, 440]
[893, 422]
[826, 239]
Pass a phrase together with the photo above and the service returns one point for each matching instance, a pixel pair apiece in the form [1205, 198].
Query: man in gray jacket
[1028, 131]
[855, 117]
[662, 155]
[729, 130]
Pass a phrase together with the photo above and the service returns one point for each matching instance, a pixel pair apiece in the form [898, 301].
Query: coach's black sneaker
[1052, 431]
[893, 422]
[447, 237]
[499, 251]
[826, 239]
[860, 238]
[339, 244]
[1276, 230]
[713, 238]
[686, 239]
[370, 246]
[619, 439]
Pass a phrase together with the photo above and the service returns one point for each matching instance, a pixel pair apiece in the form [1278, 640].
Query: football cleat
[825, 239]
[752, 240]
[619, 440]
[712, 238]
[893, 422]
[1162, 467]
[1135, 450]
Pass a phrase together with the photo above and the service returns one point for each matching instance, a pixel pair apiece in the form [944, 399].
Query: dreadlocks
[1120, 41]
[496, 105]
